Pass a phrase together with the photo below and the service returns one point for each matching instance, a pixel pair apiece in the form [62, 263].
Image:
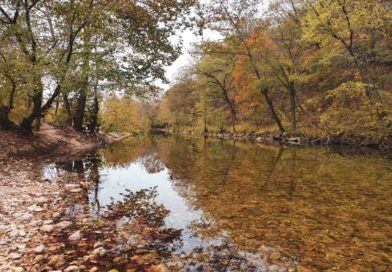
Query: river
[253, 207]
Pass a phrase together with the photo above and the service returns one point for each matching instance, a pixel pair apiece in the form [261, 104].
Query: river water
[256, 207]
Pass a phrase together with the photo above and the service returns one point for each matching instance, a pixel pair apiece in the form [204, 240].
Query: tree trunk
[233, 120]
[264, 91]
[79, 114]
[56, 112]
[81, 102]
[26, 126]
[68, 110]
[5, 122]
[205, 122]
[94, 114]
[93, 126]
[293, 106]
[266, 94]
[233, 114]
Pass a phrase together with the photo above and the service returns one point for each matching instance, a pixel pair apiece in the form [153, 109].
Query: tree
[40, 40]
[355, 26]
[55, 36]
[9, 79]
[287, 53]
[314, 62]
[120, 114]
[236, 19]
[181, 100]
[218, 72]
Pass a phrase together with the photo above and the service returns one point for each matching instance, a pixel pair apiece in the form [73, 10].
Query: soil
[52, 141]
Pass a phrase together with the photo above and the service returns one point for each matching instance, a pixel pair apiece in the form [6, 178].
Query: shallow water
[254, 207]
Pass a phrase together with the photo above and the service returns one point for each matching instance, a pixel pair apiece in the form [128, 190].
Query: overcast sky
[189, 38]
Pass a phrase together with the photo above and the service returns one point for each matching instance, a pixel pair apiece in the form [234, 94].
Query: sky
[189, 38]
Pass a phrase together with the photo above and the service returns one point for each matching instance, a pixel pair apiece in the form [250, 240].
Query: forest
[292, 67]
[302, 68]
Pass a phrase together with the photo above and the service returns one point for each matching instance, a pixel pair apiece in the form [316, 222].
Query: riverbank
[47, 225]
[52, 141]
[383, 144]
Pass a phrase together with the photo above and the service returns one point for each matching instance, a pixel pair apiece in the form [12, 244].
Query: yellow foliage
[350, 112]
[122, 114]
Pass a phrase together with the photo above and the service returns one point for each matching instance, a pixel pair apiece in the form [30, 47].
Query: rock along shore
[384, 145]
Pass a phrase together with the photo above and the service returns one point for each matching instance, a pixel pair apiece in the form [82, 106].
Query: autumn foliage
[300, 67]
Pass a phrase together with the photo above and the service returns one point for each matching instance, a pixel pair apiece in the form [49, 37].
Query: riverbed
[251, 207]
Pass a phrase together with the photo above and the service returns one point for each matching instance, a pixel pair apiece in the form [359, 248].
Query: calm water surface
[274, 208]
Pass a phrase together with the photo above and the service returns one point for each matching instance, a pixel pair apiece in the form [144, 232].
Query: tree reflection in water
[152, 163]
[139, 205]
[264, 207]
